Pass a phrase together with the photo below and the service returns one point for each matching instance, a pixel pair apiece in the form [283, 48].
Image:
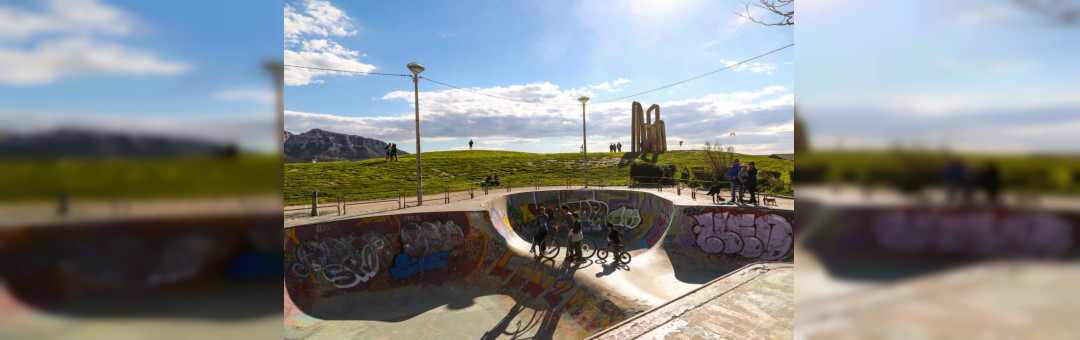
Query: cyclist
[540, 231]
[574, 251]
[613, 239]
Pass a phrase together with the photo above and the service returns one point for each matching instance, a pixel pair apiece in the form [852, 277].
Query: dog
[767, 200]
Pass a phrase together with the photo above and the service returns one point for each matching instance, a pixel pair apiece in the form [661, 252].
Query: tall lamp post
[416, 69]
[585, 143]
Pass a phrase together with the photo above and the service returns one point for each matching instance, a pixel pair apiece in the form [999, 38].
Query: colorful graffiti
[748, 234]
[391, 251]
[983, 233]
[559, 291]
[642, 217]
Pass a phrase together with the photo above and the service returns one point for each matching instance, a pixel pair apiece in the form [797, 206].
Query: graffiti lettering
[768, 237]
[345, 262]
[406, 265]
[983, 233]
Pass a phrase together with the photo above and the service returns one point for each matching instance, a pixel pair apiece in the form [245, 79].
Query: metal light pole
[416, 69]
[585, 143]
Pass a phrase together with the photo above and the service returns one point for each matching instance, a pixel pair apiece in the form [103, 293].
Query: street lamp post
[585, 142]
[416, 69]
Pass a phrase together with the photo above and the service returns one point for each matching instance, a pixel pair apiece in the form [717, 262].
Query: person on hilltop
[393, 151]
[619, 147]
[733, 174]
[540, 231]
[470, 144]
[387, 149]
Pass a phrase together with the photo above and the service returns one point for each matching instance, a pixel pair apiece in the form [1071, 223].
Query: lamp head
[583, 99]
[415, 68]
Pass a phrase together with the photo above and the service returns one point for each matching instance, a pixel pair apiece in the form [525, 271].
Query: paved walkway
[754, 302]
[460, 201]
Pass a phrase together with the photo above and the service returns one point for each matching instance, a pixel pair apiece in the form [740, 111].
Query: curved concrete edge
[680, 314]
[460, 249]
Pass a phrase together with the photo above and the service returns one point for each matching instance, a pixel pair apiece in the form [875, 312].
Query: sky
[550, 52]
[978, 76]
[146, 67]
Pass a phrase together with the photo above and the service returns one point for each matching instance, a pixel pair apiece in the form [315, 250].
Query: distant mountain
[77, 143]
[326, 146]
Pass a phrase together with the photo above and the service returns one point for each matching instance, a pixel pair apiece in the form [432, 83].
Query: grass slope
[36, 180]
[459, 168]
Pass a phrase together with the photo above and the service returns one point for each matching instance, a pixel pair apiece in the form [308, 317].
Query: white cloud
[455, 114]
[49, 61]
[65, 17]
[610, 86]
[260, 95]
[64, 41]
[753, 67]
[516, 141]
[319, 19]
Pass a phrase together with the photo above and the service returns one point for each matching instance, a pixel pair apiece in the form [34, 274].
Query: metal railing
[449, 193]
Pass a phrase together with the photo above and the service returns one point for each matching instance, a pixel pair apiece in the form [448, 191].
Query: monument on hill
[647, 135]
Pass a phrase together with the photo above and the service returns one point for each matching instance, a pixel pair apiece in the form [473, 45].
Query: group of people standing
[615, 147]
[743, 178]
[572, 221]
[391, 151]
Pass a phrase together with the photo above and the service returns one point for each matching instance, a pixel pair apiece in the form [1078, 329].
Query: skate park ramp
[469, 274]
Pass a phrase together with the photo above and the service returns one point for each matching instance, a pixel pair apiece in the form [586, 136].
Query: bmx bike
[623, 257]
[552, 245]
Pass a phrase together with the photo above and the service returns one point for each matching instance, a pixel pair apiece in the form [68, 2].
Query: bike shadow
[610, 266]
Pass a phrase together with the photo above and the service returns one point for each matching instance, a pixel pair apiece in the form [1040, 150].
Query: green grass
[444, 168]
[37, 180]
[1025, 173]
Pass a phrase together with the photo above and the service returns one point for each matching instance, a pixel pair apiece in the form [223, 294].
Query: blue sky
[984, 76]
[551, 51]
[157, 67]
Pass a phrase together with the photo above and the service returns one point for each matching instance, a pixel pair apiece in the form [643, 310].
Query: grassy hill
[182, 177]
[463, 167]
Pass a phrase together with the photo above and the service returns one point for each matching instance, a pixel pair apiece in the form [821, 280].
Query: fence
[449, 193]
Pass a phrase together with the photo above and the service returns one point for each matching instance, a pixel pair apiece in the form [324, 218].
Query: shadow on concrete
[388, 305]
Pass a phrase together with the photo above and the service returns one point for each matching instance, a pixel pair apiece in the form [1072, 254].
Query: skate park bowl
[470, 274]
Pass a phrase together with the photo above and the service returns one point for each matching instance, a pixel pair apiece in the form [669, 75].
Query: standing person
[620, 146]
[751, 181]
[470, 144]
[575, 237]
[953, 176]
[393, 151]
[540, 231]
[680, 144]
[387, 149]
[566, 220]
[991, 182]
[733, 174]
[743, 177]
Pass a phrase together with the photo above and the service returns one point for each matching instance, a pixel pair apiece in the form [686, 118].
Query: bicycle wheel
[552, 247]
[601, 253]
[588, 247]
[624, 257]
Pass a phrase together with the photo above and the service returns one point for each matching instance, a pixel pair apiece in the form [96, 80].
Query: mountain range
[326, 146]
[77, 143]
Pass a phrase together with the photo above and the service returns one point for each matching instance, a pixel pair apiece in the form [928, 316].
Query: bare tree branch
[777, 7]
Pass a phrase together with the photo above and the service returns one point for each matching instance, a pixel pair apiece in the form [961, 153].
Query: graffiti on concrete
[972, 233]
[425, 238]
[747, 234]
[559, 291]
[405, 264]
[623, 218]
[642, 217]
[345, 261]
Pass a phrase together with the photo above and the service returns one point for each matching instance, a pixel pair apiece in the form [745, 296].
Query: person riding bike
[613, 239]
[540, 231]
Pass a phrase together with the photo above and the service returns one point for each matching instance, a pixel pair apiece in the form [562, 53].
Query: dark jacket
[614, 236]
[751, 176]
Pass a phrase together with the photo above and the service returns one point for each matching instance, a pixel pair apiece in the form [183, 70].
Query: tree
[778, 7]
[719, 158]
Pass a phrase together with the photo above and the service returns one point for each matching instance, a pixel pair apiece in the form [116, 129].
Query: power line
[493, 96]
[667, 86]
[357, 72]
[551, 104]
